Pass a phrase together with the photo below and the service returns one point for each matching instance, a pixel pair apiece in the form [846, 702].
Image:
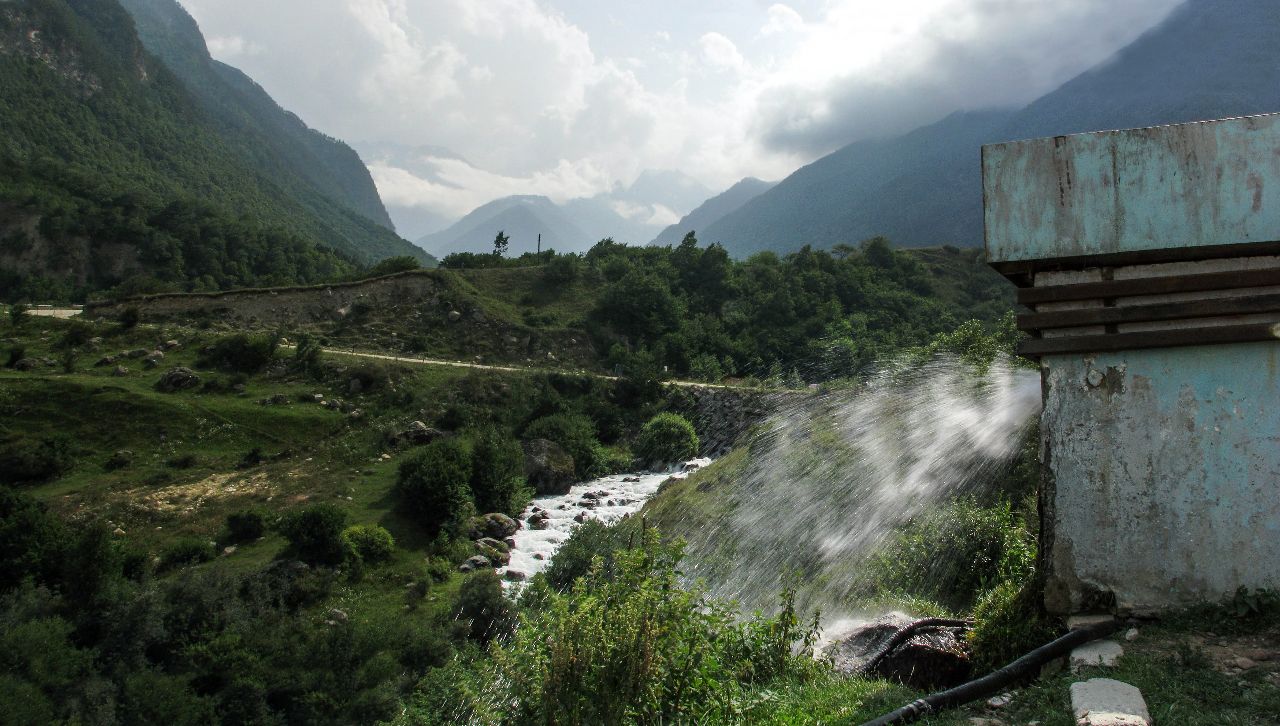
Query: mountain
[521, 218]
[112, 169]
[626, 215]
[412, 221]
[1208, 59]
[673, 190]
[713, 210]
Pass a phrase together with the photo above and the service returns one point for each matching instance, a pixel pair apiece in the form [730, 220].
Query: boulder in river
[494, 524]
[547, 466]
[896, 647]
[475, 562]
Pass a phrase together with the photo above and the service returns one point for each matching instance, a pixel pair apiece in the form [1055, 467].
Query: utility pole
[539, 243]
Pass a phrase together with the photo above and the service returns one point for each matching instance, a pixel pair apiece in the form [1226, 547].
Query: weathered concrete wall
[1162, 475]
[1200, 184]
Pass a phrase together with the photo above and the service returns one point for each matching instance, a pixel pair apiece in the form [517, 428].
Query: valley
[424, 364]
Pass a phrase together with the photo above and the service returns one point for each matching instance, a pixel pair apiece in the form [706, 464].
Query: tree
[667, 438]
[497, 473]
[434, 485]
[500, 244]
[315, 533]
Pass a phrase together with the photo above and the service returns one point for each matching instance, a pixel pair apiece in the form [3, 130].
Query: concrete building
[1150, 262]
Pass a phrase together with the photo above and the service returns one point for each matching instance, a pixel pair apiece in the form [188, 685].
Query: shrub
[78, 333]
[245, 526]
[575, 434]
[370, 542]
[187, 551]
[1008, 623]
[639, 647]
[433, 486]
[16, 353]
[593, 540]
[240, 353]
[562, 270]
[183, 461]
[667, 438]
[315, 533]
[983, 546]
[129, 318]
[483, 607]
[17, 314]
[34, 460]
[497, 475]
[307, 353]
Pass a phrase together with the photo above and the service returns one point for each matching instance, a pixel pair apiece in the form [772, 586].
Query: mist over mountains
[633, 214]
[1209, 59]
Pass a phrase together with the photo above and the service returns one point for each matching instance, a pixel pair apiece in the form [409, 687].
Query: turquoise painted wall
[1165, 474]
[1210, 183]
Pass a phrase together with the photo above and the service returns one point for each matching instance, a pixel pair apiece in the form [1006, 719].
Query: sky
[453, 103]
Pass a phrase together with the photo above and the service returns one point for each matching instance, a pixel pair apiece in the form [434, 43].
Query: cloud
[567, 98]
[866, 71]
[720, 52]
[451, 187]
[782, 19]
[231, 46]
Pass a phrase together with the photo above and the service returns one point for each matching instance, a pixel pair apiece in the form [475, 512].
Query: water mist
[829, 478]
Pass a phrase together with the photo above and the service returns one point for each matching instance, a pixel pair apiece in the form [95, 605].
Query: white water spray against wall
[829, 479]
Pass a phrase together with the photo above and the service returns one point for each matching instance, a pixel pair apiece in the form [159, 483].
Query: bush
[307, 353]
[240, 353]
[245, 526]
[315, 533]
[16, 353]
[638, 647]
[187, 551]
[433, 486]
[497, 475]
[483, 607]
[78, 333]
[370, 542]
[32, 461]
[1008, 623]
[562, 270]
[983, 546]
[592, 540]
[129, 318]
[667, 438]
[575, 434]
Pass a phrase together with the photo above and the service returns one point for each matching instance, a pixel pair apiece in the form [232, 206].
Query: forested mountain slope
[714, 209]
[112, 173]
[1209, 59]
[277, 140]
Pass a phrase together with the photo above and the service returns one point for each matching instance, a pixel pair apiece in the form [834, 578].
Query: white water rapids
[607, 499]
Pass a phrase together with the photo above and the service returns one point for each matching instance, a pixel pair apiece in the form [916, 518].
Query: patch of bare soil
[183, 500]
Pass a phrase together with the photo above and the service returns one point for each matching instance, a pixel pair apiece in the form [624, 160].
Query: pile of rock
[491, 536]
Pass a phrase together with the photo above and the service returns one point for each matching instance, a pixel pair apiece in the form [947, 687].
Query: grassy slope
[315, 455]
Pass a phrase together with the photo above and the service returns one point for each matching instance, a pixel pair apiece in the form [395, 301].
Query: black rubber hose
[993, 682]
[905, 634]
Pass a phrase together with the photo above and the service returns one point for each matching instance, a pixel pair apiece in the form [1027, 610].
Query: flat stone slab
[1102, 653]
[1108, 702]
